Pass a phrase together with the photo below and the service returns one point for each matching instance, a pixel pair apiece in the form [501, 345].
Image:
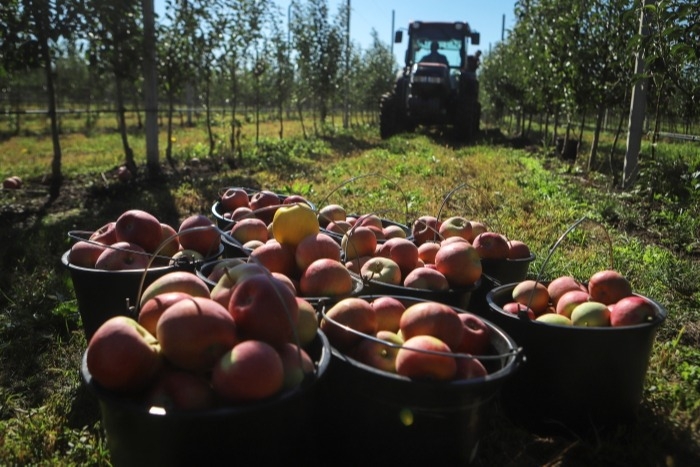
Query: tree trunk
[596, 137]
[121, 116]
[56, 174]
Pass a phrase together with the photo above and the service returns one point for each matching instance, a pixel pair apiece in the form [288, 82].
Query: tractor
[438, 85]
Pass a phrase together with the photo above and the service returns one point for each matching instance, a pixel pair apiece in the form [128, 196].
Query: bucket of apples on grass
[196, 377]
[108, 265]
[419, 375]
[587, 343]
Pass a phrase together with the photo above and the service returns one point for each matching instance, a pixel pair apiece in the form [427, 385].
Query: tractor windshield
[448, 37]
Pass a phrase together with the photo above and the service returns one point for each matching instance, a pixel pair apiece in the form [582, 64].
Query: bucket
[408, 422]
[507, 271]
[272, 432]
[575, 379]
[223, 222]
[233, 248]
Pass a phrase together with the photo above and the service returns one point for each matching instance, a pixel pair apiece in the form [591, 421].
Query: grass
[649, 234]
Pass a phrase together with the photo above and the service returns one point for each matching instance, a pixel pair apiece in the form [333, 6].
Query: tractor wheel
[388, 121]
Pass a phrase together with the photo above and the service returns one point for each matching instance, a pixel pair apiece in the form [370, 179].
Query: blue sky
[486, 17]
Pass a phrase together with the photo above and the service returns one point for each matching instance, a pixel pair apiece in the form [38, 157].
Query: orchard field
[47, 417]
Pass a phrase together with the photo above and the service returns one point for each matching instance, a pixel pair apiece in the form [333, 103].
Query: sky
[485, 17]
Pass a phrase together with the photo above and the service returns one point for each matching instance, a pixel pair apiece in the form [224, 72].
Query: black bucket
[233, 248]
[103, 294]
[408, 422]
[278, 431]
[575, 379]
[507, 271]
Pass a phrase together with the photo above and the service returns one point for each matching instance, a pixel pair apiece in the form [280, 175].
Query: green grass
[649, 234]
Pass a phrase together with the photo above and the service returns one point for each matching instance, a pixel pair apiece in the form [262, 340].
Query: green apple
[554, 318]
[591, 314]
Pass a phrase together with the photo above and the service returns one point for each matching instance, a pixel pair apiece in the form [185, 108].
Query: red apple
[139, 227]
[355, 265]
[425, 228]
[608, 286]
[169, 241]
[569, 301]
[243, 212]
[295, 199]
[250, 371]
[559, 286]
[264, 309]
[275, 257]
[326, 278]
[358, 241]
[491, 245]
[175, 281]
[122, 256]
[153, 308]
[179, 390]
[195, 332]
[388, 310]
[427, 252]
[393, 231]
[197, 232]
[460, 263]
[224, 288]
[469, 367]
[381, 269]
[517, 249]
[377, 354]
[232, 199]
[250, 228]
[433, 319]
[519, 310]
[632, 310]
[403, 251]
[107, 234]
[85, 253]
[456, 226]
[264, 199]
[476, 335]
[12, 183]
[354, 313]
[414, 361]
[296, 363]
[124, 174]
[331, 213]
[370, 220]
[477, 229]
[426, 278]
[122, 356]
[532, 294]
[314, 247]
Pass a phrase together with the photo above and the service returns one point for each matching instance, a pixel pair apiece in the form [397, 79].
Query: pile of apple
[135, 236]
[236, 203]
[12, 183]
[335, 219]
[293, 246]
[421, 340]
[606, 300]
[188, 351]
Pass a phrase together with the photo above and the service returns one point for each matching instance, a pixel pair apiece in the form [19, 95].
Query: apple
[139, 227]
[331, 213]
[460, 263]
[326, 278]
[250, 228]
[122, 256]
[197, 232]
[379, 355]
[307, 324]
[263, 199]
[358, 241]
[186, 257]
[85, 253]
[393, 231]
[517, 249]
[195, 332]
[560, 285]
[314, 247]
[12, 183]
[219, 267]
[403, 251]
[153, 308]
[388, 310]
[456, 226]
[381, 269]
[107, 234]
[569, 301]
[433, 319]
[124, 174]
[169, 241]
[591, 313]
[426, 278]
[122, 356]
[554, 318]
[351, 312]
[469, 367]
[476, 335]
[250, 371]
[265, 309]
[296, 199]
[233, 198]
[532, 294]
[253, 244]
[427, 252]
[477, 229]
[296, 363]
[339, 227]
[292, 223]
[370, 220]
[520, 310]
[608, 286]
[632, 310]
[424, 229]
[243, 212]
[491, 245]
[175, 281]
[223, 289]
[355, 265]
[415, 359]
[276, 257]
[179, 390]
